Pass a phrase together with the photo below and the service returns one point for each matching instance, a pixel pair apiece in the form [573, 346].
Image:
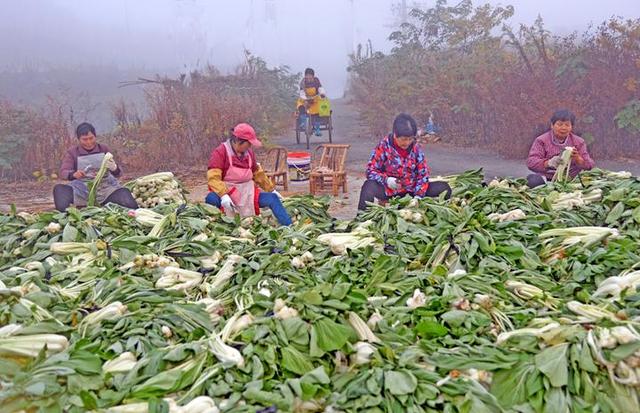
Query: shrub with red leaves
[489, 85]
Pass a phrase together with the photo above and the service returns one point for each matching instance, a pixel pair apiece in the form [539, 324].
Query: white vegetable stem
[31, 345]
[417, 300]
[362, 329]
[121, 364]
[614, 286]
[224, 275]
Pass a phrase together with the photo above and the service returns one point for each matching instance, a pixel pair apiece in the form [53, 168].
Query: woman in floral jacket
[398, 167]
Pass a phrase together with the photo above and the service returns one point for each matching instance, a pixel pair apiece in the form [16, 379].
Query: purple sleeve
[68, 166]
[537, 157]
[582, 150]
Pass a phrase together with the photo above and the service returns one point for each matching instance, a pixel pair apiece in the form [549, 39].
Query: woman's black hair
[309, 71]
[84, 129]
[563, 115]
[234, 139]
[404, 125]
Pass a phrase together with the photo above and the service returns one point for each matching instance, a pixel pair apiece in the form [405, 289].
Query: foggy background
[83, 48]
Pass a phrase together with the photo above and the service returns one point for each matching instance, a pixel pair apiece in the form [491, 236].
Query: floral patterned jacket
[411, 172]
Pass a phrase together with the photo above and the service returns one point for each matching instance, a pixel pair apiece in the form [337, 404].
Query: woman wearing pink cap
[237, 183]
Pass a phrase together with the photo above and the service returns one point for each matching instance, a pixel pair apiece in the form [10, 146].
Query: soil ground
[444, 159]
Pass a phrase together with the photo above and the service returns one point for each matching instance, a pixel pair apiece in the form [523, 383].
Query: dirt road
[443, 159]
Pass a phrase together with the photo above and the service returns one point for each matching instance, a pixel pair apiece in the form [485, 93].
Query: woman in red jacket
[236, 181]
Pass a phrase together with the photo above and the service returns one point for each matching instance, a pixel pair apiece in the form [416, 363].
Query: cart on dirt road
[315, 122]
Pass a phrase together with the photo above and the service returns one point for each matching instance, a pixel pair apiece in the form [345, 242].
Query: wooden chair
[274, 163]
[328, 169]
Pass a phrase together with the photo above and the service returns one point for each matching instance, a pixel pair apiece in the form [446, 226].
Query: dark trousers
[535, 180]
[372, 190]
[63, 198]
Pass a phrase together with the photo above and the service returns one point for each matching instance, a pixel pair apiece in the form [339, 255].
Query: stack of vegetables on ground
[157, 189]
[502, 299]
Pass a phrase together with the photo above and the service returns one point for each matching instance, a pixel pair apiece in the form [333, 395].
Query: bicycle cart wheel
[297, 131]
[297, 127]
[307, 129]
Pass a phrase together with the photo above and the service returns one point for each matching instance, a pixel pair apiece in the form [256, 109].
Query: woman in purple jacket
[80, 165]
[544, 155]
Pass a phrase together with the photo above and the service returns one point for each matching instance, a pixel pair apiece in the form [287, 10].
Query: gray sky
[167, 36]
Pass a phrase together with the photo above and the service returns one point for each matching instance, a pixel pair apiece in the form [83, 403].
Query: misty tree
[486, 80]
[459, 27]
[400, 12]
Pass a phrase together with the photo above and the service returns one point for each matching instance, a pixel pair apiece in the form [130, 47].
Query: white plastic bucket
[299, 164]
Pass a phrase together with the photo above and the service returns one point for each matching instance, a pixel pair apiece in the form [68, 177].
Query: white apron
[245, 195]
[90, 164]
